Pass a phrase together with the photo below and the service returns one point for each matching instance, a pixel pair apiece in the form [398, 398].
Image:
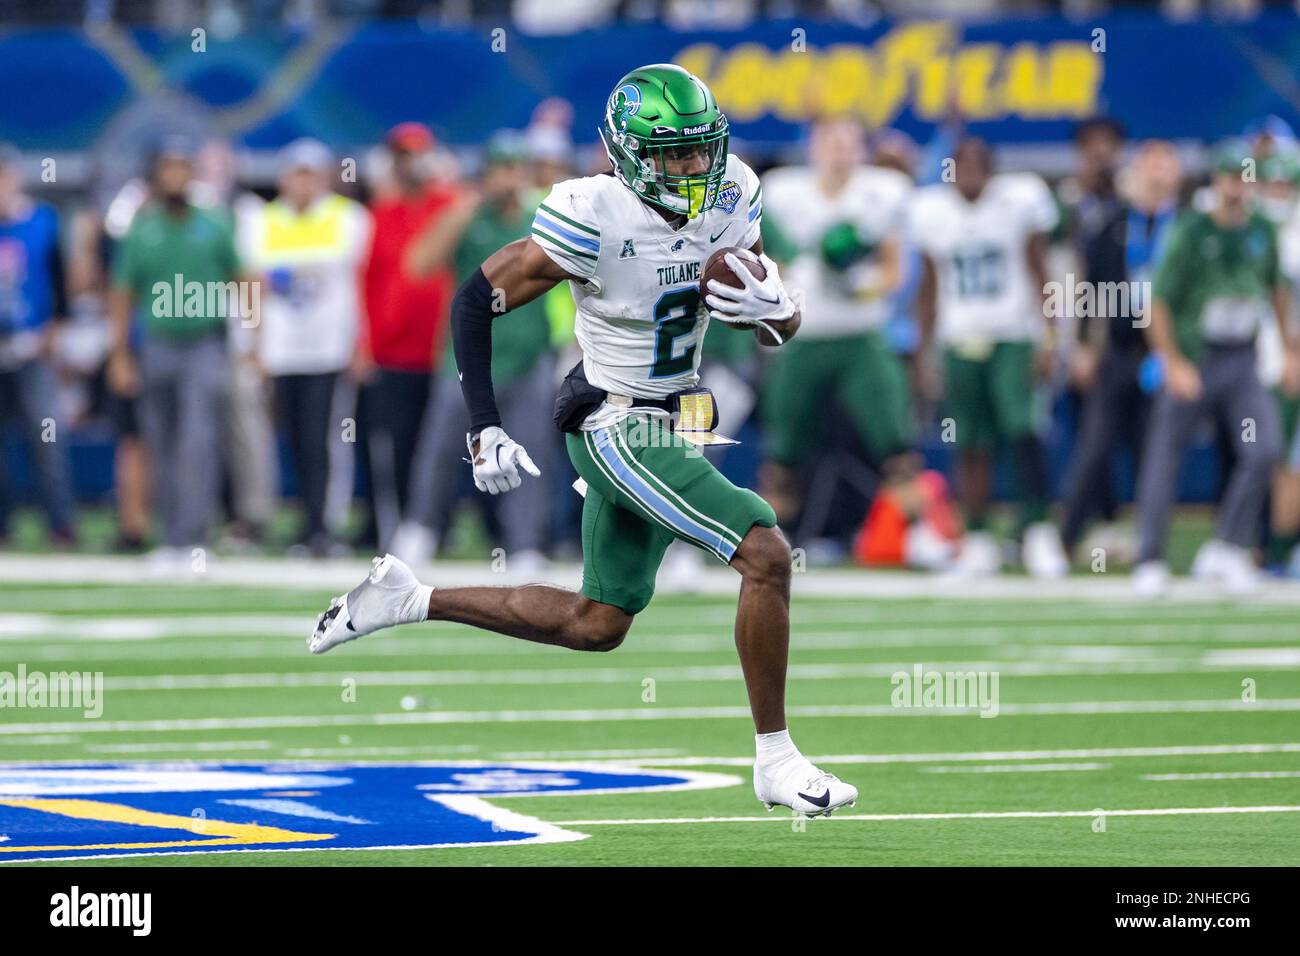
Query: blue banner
[1016, 80]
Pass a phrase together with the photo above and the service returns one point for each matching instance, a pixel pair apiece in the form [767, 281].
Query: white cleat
[413, 543]
[1151, 580]
[803, 788]
[389, 595]
[1236, 570]
[1206, 566]
[1042, 552]
[980, 556]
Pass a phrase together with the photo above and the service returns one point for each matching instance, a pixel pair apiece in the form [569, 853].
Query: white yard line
[647, 758]
[649, 712]
[978, 815]
[703, 674]
[378, 751]
[204, 746]
[587, 755]
[1084, 753]
[343, 574]
[144, 639]
[1019, 768]
[205, 601]
[43, 740]
[1243, 775]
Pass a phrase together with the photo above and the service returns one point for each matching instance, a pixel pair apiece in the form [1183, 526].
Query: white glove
[757, 302]
[496, 466]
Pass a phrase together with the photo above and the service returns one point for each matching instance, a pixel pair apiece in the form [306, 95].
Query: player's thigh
[966, 401]
[621, 553]
[668, 481]
[873, 389]
[1011, 388]
[796, 393]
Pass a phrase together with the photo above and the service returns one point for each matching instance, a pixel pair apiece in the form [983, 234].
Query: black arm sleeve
[471, 334]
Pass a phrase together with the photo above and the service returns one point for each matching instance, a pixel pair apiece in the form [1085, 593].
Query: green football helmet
[660, 116]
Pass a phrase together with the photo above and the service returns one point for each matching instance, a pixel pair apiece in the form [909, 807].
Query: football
[716, 268]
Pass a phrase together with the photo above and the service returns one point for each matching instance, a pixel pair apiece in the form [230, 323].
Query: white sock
[775, 747]
[416, 607]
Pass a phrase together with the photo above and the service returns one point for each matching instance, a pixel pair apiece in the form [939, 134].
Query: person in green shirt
[523, 368]
[175, 284]
[1218, 281]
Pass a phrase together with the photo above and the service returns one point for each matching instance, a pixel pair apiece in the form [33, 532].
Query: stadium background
[95, 96]
[1105, 696]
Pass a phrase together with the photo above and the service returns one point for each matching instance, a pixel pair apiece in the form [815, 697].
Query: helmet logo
[625, 103]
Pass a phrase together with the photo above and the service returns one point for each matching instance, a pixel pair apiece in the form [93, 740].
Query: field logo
[151, 809]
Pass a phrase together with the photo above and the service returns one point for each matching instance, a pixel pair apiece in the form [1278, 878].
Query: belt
[631, 401]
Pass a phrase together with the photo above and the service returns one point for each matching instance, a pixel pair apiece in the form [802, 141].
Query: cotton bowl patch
[150, 809]
[729, 195]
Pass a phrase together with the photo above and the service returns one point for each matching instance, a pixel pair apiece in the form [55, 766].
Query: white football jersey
[985, 290]
[873, 202]
[640, 319]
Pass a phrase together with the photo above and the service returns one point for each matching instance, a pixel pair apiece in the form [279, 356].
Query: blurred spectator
[33, 307]
[406, 319]
[1217, 282]
[894, 150]
[307, 246]
[174, 275]
[983, 295]
[1119, 241]
[838, 222]
[523, 371]
[1268, 137]
[1284, 538]
[551, 153]
[249, 440]
[1088, 198]
[88, 278]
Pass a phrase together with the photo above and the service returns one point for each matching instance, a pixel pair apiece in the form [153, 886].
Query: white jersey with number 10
[985, 291]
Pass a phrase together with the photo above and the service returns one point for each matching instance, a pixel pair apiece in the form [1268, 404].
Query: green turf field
[1104, 705]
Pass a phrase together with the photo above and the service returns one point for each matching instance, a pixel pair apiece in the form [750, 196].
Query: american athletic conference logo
[110, 810]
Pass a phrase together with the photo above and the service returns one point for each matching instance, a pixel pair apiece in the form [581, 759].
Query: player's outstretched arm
[512, 276]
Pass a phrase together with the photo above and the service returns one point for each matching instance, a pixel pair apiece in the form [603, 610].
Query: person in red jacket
[406, 319]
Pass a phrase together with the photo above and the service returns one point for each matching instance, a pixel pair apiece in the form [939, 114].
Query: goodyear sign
[152, 809]
[924, 67]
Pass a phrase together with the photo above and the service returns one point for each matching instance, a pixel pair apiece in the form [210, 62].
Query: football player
[984, 241]
[631, 244]
[841, 219]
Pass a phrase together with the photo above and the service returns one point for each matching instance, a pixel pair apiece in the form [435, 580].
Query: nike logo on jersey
[720, 232]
